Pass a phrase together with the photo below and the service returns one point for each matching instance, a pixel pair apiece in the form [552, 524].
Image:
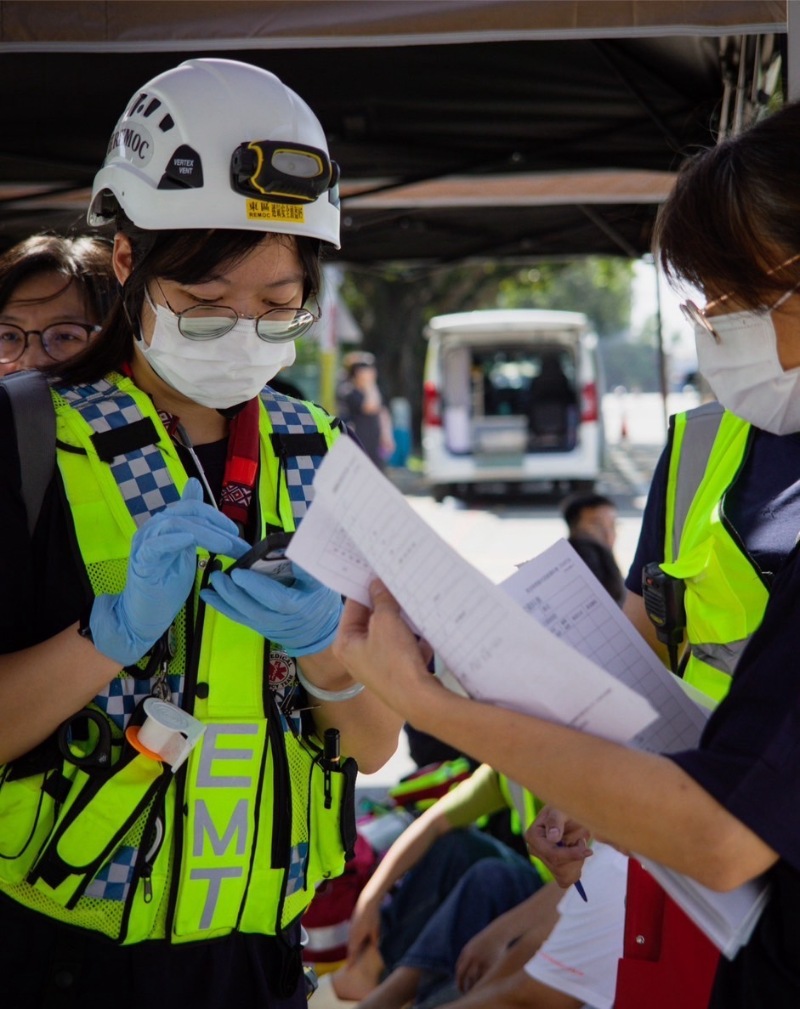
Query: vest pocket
[29, 807]
[90, 831]
[328, 836]
[333, 819]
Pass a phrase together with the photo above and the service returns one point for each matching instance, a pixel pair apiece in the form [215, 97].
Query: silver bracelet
[327, 695]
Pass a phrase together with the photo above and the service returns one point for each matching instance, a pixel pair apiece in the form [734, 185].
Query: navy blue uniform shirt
[762, 505]
[749, 760]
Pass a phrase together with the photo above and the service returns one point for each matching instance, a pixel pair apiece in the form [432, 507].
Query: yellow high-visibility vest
[725, 593]
[240, 836]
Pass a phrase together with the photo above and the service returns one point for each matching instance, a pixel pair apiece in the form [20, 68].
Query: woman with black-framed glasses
[54, 293]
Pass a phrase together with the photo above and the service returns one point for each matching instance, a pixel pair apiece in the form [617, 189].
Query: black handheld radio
[663, 603]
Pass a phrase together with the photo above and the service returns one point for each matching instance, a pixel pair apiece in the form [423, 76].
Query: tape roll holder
[168, 734]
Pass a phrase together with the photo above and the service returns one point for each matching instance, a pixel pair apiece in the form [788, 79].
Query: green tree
[599, 287]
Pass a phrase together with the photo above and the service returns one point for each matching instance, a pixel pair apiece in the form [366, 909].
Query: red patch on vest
[281, 669]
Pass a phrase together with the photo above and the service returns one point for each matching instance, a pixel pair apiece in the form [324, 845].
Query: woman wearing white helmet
[175, 734]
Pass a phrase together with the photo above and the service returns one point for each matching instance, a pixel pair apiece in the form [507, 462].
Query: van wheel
[439, 492]
[582, 486]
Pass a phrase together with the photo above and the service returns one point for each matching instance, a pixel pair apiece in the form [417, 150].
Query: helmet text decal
[258, 210]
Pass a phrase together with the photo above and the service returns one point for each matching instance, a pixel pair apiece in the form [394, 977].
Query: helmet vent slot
[184, 170]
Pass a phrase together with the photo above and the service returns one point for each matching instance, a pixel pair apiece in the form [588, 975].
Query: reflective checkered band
[122, 695]
[142, 474]
[292, 416]
[116, 876]
[297, 868]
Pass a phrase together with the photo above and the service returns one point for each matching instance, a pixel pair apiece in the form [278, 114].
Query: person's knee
[521, 991]
[508, 880]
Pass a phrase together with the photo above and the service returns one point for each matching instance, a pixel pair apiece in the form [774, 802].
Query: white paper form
[499, 653]
[562, 593]
[728, 919]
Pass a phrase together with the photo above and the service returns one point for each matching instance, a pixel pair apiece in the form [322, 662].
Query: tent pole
[793, 50]
[662, 358]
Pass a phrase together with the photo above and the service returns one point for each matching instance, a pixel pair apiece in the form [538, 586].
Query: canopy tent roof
[463, 127]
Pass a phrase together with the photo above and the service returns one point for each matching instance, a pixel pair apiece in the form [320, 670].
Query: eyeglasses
[60, 341]
[699, 316]
[210, 322]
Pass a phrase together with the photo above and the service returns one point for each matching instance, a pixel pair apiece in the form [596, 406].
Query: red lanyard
[241, 463]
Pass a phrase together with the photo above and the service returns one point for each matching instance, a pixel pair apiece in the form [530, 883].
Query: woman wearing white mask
[176, 740]
[727, 811]
[725, 495]
[724, 505]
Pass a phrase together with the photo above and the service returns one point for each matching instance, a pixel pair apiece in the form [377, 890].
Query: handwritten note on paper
[559, 590]
[360, 522]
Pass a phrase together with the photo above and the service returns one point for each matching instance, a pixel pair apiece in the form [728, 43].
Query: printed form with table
[592, 669]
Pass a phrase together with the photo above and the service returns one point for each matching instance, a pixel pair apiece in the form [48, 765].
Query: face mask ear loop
[136, 330]
[136, 334]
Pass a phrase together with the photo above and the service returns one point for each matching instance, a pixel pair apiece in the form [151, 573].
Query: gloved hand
[161, 572]
[302, 616]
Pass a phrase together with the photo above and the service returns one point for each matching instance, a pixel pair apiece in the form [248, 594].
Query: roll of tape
[168, 733]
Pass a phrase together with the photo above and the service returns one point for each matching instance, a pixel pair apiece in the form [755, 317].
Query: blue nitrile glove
[161, 572]
[302, 616]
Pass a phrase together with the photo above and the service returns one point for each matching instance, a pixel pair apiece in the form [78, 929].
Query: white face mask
[215, 373]
[745, 373]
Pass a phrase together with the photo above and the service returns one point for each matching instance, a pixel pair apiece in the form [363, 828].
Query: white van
[511, 397]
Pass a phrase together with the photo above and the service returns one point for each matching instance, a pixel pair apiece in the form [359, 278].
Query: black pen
[331, 755]
[577, 884]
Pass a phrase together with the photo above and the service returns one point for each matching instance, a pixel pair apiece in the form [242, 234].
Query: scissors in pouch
[85, 740]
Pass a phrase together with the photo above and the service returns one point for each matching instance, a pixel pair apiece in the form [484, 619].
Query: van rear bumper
[441, 466]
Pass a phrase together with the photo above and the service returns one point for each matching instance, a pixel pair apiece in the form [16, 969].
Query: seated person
[568, 964]
[444, 898]
[552, 413]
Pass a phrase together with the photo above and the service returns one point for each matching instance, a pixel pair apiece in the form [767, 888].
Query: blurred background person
[360, 405]
[54, 293]
[592, 524]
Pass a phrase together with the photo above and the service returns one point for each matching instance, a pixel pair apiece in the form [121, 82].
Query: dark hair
[734, 213]
[84, 260]
[356, 360]
[572, 508]
[187, 256]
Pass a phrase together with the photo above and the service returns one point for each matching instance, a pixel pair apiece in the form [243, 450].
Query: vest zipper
[194, 637]
[146, 871]
[152, 840]
[281, 834]
[764, 577]
[282, 804]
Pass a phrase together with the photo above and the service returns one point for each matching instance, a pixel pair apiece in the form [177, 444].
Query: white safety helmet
[219, 144]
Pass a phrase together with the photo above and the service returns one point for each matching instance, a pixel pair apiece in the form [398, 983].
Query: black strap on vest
[289, 445]
[121, 440]
[35, 426]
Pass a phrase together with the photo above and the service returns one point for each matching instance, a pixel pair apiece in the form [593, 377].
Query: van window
[539, 385]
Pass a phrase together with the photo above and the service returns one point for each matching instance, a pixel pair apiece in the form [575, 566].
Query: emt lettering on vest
[238, 827]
